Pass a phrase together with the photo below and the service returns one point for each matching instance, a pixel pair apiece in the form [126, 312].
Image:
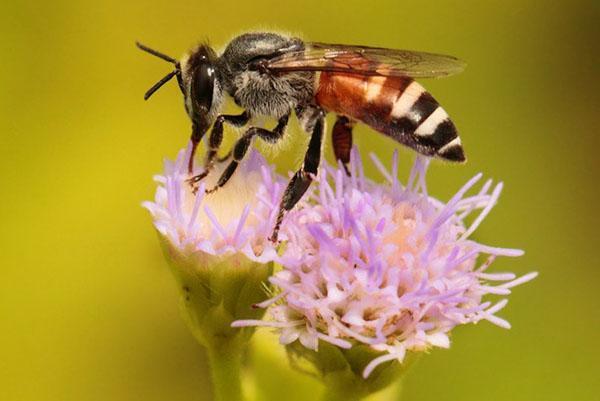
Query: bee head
[198, 80]
[195, 74]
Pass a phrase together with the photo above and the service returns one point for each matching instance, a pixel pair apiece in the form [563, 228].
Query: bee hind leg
[241, 147]
[341, 138]
[214, 143]
[301, 181]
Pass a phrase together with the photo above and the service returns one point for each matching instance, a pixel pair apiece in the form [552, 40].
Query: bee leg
[214, 142]
[303, 177]
[341, 137]
[242, 145]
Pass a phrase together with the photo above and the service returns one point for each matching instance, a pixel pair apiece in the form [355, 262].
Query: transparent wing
[363, 60]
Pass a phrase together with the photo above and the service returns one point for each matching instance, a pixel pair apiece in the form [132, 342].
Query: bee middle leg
[241, 147]
[301, 181]
[341, 137]
[215, 140]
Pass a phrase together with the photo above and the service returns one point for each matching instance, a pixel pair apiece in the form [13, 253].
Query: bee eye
[203, 82]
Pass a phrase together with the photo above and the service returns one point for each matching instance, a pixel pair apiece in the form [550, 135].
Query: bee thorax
[265, 94]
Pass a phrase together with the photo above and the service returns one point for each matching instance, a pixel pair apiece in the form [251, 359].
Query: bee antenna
[160, 83]
[155, 53]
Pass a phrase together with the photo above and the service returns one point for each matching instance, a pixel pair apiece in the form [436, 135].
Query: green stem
[339, 394]
[225, 361]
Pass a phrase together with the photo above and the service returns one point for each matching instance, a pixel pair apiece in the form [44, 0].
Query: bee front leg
[242, 145]
[301, 181]
[215, 140]
[341, 137]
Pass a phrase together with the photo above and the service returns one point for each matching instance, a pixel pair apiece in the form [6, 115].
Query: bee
[271, 74]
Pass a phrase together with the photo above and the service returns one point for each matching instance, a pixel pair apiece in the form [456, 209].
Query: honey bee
[270, 74]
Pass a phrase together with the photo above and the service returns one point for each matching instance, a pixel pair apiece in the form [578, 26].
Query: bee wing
[363, 60]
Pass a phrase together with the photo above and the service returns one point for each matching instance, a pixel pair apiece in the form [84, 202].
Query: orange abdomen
[396, 106]
[360, 97]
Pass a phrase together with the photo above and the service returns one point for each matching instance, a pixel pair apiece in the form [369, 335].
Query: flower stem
[340, 394]
[225, 359]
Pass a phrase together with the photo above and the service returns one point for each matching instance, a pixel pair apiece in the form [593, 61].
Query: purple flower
[217, 245]
[386, 266]
[236, 219]
[220, 256]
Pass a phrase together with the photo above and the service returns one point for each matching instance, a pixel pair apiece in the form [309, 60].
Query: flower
[217, 244]
[386, 266]
[237, 218]
[218, 248]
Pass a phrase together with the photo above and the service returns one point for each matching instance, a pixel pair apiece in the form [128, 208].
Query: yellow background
[88, 310]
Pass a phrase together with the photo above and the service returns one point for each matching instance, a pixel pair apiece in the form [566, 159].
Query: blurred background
[88, 309]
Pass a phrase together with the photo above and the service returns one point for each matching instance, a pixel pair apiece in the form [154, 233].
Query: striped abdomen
[396, 106]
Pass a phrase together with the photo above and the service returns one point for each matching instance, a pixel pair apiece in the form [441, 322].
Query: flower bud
[217, 244]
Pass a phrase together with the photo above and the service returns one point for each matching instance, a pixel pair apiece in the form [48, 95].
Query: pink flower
[221, 258]
[237, 219]
[385, 265]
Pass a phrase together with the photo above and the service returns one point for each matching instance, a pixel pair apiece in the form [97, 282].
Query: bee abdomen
[398, 107]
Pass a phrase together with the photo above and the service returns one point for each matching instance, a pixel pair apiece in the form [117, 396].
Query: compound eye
[203, 83]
